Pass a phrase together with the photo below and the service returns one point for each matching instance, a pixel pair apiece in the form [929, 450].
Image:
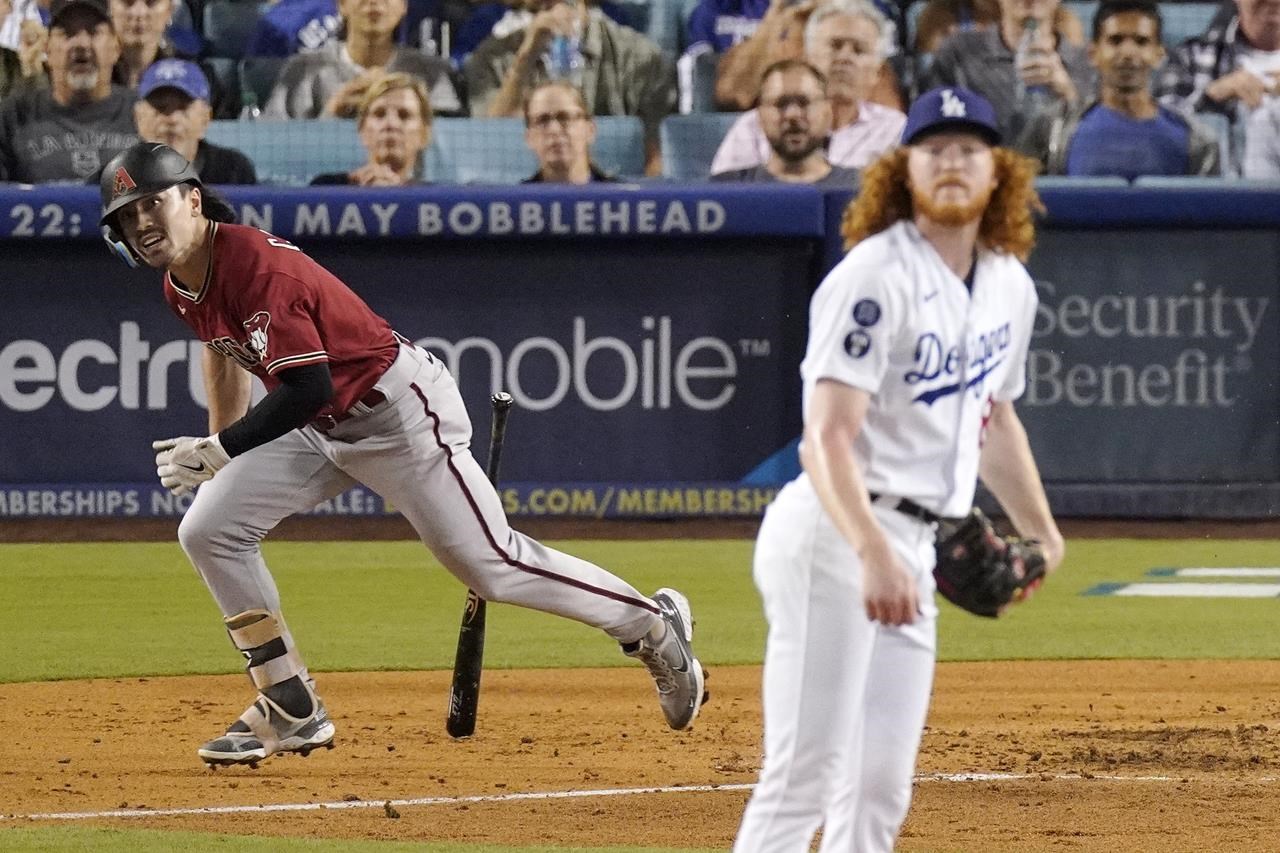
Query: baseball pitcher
[917, 349]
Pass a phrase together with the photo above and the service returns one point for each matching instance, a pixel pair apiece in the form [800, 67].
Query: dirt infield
[1097, 756]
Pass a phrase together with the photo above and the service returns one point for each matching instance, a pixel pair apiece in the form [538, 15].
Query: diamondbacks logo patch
[257, 328]
[122, 183]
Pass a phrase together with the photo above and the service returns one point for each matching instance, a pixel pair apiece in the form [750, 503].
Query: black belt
[324, 423]
[906, 506]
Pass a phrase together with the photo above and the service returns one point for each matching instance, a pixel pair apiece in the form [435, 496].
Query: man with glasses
[843, 40]
[795, 115]
[559, 130]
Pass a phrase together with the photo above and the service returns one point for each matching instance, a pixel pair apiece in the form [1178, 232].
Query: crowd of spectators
[819, 86]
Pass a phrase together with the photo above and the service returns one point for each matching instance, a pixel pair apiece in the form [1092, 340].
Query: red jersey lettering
[269, 307]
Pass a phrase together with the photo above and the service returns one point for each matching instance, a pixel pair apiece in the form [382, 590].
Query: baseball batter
[917, 349]
[348, 401]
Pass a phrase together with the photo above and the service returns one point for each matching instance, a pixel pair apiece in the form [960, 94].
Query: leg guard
[287, 716]
[274, 665]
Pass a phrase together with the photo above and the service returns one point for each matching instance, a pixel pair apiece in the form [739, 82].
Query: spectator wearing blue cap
[174, 109]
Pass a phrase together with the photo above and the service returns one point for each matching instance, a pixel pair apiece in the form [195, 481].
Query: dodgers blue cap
[951, 108]
[178, 74]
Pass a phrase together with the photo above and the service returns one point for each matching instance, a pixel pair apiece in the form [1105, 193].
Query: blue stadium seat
[292, 152]
[228, 26]
[689, 143]
[478, 151]
[493, 150]
[258, 75]
[1181, 21]
[1060, 182]
[619, 147]
[463, 150]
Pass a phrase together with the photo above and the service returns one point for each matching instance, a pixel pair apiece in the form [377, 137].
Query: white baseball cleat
[679, 676]
[265, 729]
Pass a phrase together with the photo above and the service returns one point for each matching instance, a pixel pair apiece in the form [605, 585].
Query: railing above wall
[645, 209]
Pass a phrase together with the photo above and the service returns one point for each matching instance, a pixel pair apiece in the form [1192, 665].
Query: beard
[795, 151]
[82, 81]
[950, 214]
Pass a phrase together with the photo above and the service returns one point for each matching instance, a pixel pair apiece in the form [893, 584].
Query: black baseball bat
[468, 664]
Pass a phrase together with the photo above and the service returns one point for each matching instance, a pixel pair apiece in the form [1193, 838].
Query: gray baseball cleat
[266, 729]
[680, 678]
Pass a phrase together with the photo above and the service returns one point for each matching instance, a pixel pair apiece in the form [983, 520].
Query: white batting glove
[186, 462]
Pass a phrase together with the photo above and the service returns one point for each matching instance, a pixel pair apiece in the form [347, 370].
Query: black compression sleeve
[302, 392]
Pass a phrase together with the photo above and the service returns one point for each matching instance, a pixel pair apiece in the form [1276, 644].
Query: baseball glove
[982, 572]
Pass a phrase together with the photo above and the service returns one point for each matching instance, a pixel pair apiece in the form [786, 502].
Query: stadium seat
[493, 150]
[292, 152]
[228, 26]
[258, 75]
[1184, 182]
[689, 143]
[1181, 21]
[1061, 182]
[619, 148]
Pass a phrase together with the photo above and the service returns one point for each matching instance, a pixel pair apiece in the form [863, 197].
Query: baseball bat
[468, 664]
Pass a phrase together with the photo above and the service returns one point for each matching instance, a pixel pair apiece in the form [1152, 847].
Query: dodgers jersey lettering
[270, 307]
[893, 320]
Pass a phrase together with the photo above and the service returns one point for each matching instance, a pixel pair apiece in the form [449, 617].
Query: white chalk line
[549, 795]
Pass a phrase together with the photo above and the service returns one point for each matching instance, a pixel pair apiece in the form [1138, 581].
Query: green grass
[73, 611]
[155, 841]
[1059, 622]
[103, 610]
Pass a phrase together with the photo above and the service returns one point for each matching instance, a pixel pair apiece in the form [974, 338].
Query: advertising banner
[1154, 357]
[652, 376]
[651, 336]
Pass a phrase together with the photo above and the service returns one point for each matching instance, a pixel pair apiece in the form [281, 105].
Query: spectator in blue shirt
[1123, 131]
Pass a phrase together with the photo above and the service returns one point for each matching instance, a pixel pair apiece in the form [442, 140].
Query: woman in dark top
[394, 119]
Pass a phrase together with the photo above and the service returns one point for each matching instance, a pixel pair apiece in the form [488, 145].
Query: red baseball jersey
[270, 307]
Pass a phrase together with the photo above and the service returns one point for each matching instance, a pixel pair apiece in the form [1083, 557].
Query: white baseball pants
[845, 698]
[413, 450]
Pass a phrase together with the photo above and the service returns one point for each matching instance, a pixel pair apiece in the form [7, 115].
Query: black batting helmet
[142, 170]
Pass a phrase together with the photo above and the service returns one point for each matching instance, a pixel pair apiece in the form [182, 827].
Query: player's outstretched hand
[185, 462]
